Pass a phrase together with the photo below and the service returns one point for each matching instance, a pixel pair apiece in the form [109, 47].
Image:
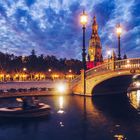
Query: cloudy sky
[52, 26]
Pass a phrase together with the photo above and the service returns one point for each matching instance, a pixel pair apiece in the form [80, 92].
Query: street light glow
[83, 18]
[128, 61]
[49, 70]
[119, 29]
[24, 69]
[61, 88]
[108, 53]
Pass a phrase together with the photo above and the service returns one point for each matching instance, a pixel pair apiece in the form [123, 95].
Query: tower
[95, 49]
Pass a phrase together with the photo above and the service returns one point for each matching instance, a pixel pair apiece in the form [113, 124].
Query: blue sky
[52, 27]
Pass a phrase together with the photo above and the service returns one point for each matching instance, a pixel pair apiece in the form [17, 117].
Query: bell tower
[95, 49]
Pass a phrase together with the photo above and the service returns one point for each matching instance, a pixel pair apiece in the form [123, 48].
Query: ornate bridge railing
[99, 69]
[133, 63]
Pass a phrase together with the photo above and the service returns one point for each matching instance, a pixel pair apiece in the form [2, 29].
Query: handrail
[99, 69]
[119, 64]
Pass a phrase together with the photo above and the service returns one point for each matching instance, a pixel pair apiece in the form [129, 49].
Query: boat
[26, 111]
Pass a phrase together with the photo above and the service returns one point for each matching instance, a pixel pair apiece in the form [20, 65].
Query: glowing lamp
[49, 70]
[7, 76]
[83, 18]
[61, 88]
[119, 30]
[24, 69]
[108, 53]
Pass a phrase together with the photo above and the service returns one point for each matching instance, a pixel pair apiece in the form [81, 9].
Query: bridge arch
[112, 85]
[100, 84]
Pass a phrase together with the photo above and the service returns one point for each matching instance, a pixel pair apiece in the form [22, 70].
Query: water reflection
[84, 119]
[61, 110]
[119, 137]
[100, 118]
[134, 97]
[61, 103]
[118, 113]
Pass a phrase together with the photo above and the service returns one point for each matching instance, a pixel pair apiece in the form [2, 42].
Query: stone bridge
[113, 76]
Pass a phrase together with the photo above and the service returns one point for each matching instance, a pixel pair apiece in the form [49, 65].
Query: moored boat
[30, 111]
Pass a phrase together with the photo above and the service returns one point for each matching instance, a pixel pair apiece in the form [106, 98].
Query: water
[76, 118]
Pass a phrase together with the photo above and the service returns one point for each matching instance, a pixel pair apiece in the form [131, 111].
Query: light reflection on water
[61, 103]
[78, 118]
[134, 97]
[61, 109]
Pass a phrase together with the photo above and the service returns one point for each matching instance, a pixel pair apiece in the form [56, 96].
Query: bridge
[109, 77]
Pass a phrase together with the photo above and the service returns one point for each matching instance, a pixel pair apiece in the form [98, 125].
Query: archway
[114, 85]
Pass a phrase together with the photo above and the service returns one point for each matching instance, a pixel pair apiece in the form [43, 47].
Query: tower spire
[94, 20]
[95, 48]
[94, 25]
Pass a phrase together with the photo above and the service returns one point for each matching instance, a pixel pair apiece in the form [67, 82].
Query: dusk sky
[52, 27]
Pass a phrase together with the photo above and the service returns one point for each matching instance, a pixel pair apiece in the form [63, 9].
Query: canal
[75, 118]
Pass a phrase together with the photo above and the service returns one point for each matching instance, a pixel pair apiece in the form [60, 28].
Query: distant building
[95, 57]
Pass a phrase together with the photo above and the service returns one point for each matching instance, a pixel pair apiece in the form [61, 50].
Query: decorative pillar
[83, 82]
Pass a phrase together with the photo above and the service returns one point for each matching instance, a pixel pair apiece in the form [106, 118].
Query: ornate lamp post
[83, 21]
[119, 31]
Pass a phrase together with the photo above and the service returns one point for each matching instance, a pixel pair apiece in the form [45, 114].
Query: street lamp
[24, 69]
[119, 31]
[70, 70]
[83, 21]
[108, 54]
[49, 70]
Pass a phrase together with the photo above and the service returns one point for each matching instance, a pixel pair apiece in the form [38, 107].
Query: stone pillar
[82, 81]
[113, 60]
[113, 64]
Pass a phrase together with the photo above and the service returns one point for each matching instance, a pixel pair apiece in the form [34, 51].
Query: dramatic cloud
[52, 26]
